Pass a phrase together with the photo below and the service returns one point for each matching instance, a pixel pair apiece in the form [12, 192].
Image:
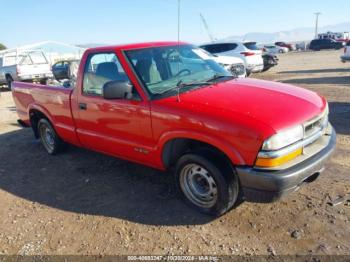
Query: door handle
[82, 106]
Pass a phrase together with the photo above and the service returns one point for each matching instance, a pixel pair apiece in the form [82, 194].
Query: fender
[41, 109]
[220, 144]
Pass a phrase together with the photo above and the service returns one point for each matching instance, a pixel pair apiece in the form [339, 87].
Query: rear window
[38, 58]
[251, 46]
[219, 48]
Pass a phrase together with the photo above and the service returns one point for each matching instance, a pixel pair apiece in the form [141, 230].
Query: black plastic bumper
[268, 186]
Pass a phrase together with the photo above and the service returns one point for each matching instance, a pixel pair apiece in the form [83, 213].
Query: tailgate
[36, 70]
[55, 101]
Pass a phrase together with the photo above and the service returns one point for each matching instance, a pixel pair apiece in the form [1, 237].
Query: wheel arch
[35, 114]
[175, 146]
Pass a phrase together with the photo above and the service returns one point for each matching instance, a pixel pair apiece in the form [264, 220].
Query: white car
[232, 64]
[247, 51]
[346, 56]
[274, 49]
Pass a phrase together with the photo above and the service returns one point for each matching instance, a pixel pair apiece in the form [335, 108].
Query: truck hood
[272, 104]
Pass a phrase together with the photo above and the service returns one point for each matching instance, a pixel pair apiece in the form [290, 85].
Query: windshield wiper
[218, 76]
[181, 84]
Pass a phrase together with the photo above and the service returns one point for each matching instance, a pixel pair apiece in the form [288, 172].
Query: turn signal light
[279, 161]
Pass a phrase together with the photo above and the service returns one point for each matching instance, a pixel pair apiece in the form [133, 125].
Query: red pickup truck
[169, 106]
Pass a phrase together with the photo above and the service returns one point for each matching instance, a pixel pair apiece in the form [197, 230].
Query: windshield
[162, 69]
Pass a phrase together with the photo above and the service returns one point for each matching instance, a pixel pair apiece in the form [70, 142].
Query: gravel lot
[82, 202]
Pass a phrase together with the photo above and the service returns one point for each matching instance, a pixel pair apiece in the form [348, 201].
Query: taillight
[247, 53]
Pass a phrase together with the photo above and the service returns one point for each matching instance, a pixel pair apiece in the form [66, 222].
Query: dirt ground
[82, 202]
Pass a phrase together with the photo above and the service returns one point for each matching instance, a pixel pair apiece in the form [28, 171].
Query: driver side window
[99, 69]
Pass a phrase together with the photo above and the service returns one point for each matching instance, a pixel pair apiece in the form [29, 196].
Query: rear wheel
[49, 138]
[43, 81]
[205, 185]
[9, 81]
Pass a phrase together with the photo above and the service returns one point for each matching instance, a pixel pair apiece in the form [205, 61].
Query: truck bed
[54, 101]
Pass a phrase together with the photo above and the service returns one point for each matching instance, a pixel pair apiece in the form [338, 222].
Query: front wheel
[206, 186]
[49, 138]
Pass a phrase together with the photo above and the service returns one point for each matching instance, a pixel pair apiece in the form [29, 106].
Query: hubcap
[47, 138]
[198, 185]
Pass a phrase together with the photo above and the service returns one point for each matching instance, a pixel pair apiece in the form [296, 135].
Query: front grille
[237, 69]
[316, 125]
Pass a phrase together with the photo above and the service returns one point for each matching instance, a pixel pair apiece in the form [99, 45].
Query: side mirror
[117, 90]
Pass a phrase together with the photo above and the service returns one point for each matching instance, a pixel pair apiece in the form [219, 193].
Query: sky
[127, 21]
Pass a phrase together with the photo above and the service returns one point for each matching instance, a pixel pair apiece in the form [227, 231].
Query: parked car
[346, 56]
[248, 52]
[274, 49]
[165, 106]
[65, 69]
[302, 46]
[291, 47]
[320, 44]
[232, 64]
[26, 66]
[269, 61]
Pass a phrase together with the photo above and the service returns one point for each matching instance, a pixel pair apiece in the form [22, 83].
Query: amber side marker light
[278, 161]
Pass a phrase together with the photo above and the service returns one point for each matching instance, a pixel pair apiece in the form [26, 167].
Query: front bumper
[268, 186]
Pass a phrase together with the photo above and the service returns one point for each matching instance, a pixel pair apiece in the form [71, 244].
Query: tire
[9, 81]
[52, 143]
[206, 186]
[43, 81]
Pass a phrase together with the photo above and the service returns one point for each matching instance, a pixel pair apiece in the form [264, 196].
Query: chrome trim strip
[291, 148]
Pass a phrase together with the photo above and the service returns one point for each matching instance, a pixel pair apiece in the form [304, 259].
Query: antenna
[211, 37]
[178, 45]
[178, 20]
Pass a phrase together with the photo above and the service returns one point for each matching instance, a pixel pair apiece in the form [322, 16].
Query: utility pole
[316, 28]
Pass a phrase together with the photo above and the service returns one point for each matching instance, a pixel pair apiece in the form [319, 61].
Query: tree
[2, 47]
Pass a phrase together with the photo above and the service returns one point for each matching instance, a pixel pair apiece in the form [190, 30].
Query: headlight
[284, 138]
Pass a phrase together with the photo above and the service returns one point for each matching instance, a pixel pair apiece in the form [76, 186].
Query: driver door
[119, 127]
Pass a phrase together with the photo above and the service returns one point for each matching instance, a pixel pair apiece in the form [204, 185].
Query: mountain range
[295, 35]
